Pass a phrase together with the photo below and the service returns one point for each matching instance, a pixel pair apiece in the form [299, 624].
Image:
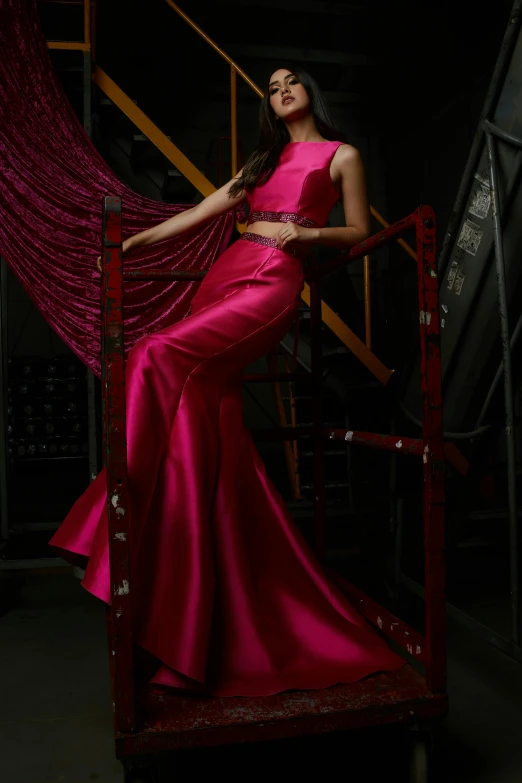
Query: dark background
[405, 82]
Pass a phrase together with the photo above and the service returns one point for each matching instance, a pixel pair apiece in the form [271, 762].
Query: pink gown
[227, 597]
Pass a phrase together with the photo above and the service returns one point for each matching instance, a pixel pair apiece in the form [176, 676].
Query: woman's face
[288, 98]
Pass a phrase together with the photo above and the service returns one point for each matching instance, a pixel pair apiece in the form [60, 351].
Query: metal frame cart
[145, 723]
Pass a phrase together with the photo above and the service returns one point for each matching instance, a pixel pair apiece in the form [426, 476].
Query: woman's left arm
[356, 208]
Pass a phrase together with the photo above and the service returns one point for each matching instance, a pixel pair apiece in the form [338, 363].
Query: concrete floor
[56, 723]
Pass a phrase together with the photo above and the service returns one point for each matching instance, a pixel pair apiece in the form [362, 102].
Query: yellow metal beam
[75, 45]
[216, 48]
[356, 346]
[205, 187]
[140, 119]
[410, 251]
[259, 92]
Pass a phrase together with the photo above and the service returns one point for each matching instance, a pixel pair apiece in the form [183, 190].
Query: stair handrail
[236, 69]
[357, 346]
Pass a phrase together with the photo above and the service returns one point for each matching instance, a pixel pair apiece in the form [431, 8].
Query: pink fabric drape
[52, 181]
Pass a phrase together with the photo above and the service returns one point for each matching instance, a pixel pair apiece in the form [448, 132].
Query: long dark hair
[273, 135]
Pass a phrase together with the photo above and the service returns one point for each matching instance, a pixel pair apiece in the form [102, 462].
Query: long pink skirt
[227, 596]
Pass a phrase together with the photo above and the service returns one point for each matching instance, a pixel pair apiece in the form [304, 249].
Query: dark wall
[417, 73]
[440, 66]
[445, 58]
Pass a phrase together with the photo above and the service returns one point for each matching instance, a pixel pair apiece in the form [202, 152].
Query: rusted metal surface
[368, 302]
[174, 721]
[364, 248]
[373, 440]
[410, 640]
[394, 443]
[178, 722]
[115, 459]
[433, 453]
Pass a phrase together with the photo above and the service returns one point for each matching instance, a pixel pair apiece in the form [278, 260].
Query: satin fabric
[227, 596]
[301, 183]
[52, 181]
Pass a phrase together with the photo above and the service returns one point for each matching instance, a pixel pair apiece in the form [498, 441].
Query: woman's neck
[303, 130]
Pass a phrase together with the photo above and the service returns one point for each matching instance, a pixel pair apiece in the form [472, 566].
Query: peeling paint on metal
[120, 511]
[349, 435]
[123, 589]
[119, 613]
[120, 536]
[459, 281]
[424, 317]
[481, 200]
[398, 445]
[470, 237]
[115, 499]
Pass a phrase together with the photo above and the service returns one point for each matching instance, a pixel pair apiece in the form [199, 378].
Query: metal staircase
[151, 163]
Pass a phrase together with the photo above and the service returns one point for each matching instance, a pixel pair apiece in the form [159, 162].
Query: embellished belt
[271, 242]
[281, 217]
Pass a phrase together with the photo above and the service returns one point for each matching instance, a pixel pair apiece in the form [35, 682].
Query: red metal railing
[431, 649]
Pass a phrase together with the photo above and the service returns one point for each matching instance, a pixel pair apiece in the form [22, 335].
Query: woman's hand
[126, 245]
[291, 233]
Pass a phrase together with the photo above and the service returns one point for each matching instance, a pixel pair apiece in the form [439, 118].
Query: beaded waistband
[281, 217]
[270, 242]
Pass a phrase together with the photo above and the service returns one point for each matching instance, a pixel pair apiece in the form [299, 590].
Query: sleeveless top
[300, 190]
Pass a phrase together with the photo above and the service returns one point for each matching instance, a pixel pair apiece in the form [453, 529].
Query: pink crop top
[300, 190]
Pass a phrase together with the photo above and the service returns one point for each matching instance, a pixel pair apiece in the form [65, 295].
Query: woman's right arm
[211, 207]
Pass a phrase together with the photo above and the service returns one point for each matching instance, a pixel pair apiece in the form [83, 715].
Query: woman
[227, 597]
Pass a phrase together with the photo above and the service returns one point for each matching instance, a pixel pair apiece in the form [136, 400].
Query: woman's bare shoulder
[347, 154]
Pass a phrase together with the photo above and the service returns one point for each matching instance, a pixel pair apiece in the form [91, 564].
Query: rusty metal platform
[173, 722]
[148, 722]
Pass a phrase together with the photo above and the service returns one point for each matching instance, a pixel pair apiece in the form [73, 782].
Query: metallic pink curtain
[52, 181]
